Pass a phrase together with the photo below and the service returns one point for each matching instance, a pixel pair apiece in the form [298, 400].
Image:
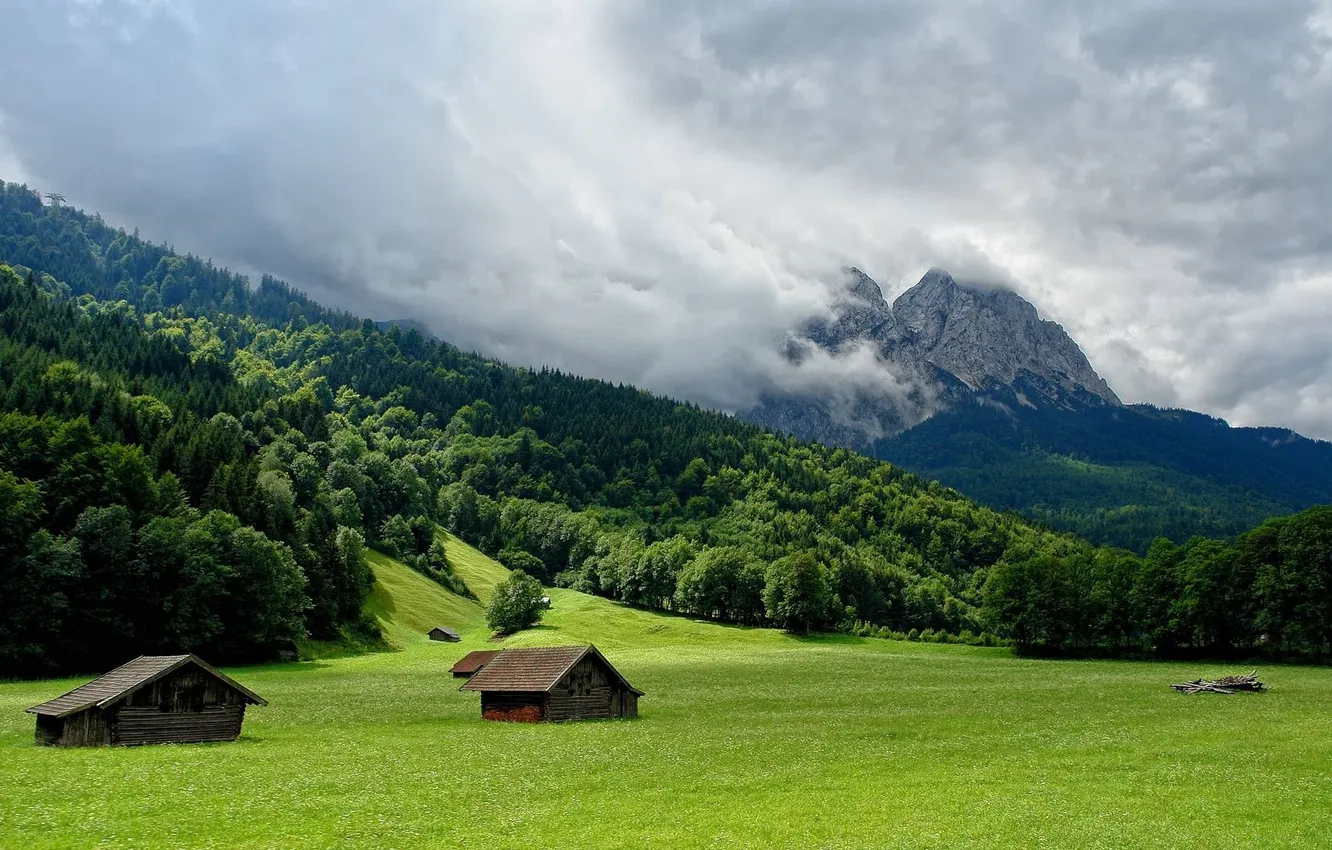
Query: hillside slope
[408, 605]
[1118, 476]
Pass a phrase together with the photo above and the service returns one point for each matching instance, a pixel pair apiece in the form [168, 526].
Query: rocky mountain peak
[859, 312]
[939, 343]
[988, 336]
[861, 286]
[937, 283]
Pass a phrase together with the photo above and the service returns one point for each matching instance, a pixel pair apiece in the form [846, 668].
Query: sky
[657, 191]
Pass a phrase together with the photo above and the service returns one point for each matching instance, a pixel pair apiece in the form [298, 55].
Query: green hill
[408, 605]
[478, 570]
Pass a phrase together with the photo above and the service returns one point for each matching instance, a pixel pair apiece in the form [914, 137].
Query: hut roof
[474, 660]
[128, 678]
[535, 669]
[447, 631]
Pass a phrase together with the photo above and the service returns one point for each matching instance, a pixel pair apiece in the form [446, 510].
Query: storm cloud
[656, 191]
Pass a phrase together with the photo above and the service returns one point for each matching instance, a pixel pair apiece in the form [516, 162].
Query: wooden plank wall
[147, 725]
[49, 730]
[187, 689]
[186, 706]
[88, 728]
[584, 693]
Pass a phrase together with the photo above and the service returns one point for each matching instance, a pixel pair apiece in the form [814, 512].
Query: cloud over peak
[657, 191]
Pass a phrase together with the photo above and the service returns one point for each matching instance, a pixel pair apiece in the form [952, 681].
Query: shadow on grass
[294, 667]
[1187, 655]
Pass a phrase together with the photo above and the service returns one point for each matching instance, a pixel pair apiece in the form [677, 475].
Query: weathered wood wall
[90, 728]
[584, 693]
[184, 690]
[186, 706]
[147, 725]
[49, 730]
[625, 703]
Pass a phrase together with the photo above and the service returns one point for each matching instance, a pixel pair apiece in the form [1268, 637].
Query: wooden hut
[154, 699]
[286, 650]
[445, 633]
[552, 683]
[472, 662]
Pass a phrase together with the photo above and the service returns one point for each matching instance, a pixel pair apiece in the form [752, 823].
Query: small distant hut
[445, 633]
[552, 683]
[154, 699]
[286, 650]
[472, 662]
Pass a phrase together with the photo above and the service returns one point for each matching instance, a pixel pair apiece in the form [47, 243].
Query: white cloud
[9, 163]
[657, 190]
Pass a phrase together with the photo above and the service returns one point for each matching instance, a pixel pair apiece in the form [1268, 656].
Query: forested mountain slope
[1121, 475]
[187, 463]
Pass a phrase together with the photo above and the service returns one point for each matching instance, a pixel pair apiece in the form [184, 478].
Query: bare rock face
[861, 313]
[940, 343]
[987, 337]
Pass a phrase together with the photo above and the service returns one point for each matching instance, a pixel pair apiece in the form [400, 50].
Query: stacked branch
[1224, 685]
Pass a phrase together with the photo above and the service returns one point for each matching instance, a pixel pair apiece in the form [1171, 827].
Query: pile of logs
[1224, 685]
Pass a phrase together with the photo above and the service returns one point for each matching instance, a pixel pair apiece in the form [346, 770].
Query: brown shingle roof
[534, 669]
[474, 660]
[128, 678]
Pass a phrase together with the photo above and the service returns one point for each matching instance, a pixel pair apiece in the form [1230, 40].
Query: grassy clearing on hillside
[748, 738]
[480, 572]
[409, 605]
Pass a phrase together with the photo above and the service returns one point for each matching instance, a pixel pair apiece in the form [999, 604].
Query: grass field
[748, 738]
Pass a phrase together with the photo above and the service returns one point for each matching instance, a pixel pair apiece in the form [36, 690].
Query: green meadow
[747, 738]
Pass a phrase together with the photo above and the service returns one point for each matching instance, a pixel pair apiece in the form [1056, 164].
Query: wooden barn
[552, 683]
[444, 633]
[472, 662]
[154, 699]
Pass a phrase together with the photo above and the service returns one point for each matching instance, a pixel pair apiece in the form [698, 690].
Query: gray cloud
[657, 190]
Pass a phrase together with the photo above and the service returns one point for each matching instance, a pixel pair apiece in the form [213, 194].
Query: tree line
[1268, 591]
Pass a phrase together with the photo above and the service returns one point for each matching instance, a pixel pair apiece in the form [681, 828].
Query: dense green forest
[189, 463]
[1118, 476]
[1270, 591]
